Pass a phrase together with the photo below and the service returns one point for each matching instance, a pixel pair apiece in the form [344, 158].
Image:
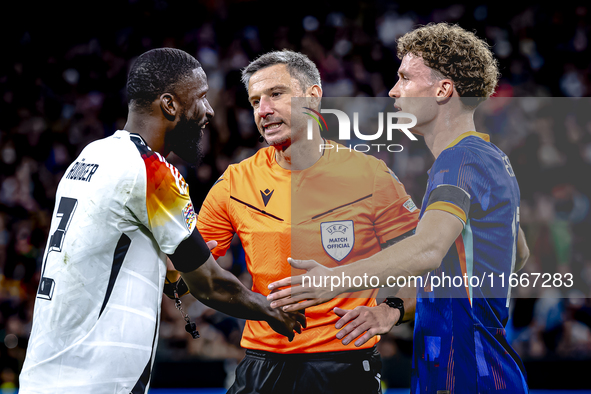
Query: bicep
[395, 240]
[191, 253]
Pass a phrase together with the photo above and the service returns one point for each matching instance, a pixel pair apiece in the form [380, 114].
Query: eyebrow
[202, 91]
[270, 90]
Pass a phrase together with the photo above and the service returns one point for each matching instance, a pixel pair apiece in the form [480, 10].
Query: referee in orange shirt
[293, 199]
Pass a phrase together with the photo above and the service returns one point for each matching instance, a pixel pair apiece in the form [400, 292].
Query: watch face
[394, 302]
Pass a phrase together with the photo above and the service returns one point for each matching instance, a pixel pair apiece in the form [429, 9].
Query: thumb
[211, 244]
[302, 264]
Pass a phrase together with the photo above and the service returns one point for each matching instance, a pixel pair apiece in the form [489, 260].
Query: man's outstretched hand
[311, 288]
[369, 321]
[285, 323]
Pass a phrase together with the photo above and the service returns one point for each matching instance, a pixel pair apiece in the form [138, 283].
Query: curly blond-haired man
[468, 229]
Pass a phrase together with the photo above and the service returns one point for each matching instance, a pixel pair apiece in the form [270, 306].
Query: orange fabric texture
[336, 212]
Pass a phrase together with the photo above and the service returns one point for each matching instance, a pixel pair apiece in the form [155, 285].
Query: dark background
[62, 85]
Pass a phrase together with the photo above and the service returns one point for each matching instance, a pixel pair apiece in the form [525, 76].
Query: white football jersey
[120, 208]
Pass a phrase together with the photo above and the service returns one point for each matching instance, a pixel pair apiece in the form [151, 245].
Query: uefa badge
[338, 238]
[189, 215]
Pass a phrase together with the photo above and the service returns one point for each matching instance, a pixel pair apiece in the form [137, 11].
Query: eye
[275, 94]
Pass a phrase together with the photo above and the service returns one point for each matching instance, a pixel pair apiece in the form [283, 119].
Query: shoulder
[240, 176]
[263, 158]
[109, 160]
[465, 153]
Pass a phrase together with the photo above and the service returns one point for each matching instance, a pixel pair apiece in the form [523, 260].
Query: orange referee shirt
[336, 212]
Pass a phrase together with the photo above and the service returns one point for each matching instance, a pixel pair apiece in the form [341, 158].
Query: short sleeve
[160, 200]
[214, 221]
[458, 178]
[395, 213]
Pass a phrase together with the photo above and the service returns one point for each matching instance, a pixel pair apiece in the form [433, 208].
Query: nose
[265, 107]
[395, 91]
[209, 110]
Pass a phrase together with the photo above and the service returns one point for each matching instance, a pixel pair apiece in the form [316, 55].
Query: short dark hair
[299, 66]
[155, 72]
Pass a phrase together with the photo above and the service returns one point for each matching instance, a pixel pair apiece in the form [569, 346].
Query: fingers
[354, 323]
[290, 296]
[301, 318]
[296, 279]
[347, 317]
[340, 312]
[303, 305]
[291, 300]
[279, 294]
[211, 244]
[355, 333]
[280, 283]
[364, 338]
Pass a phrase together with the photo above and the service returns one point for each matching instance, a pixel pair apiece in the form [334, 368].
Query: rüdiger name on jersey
[103, 273]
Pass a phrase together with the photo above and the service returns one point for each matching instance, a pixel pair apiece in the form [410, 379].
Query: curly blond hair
[457, 54]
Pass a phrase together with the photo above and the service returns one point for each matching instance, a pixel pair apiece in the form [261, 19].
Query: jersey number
[515, 233]
[65, 210]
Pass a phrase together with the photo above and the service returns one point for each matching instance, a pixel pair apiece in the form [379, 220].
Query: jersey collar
[139, 138]
[485, 137]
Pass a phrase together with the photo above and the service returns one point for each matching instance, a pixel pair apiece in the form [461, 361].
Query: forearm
[221, 290]
[413, 256]
[410, 257]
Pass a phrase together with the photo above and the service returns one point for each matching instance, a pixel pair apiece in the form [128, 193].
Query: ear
[314, 94]
[169, 105]
[445, 89]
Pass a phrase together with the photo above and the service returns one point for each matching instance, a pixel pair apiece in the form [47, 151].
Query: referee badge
[338, 238]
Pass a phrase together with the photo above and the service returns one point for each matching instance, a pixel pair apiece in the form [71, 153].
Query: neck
[300, 153]
[442, 132]
[150, 128]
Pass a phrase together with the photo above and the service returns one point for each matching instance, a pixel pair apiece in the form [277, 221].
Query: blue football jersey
[462, 306]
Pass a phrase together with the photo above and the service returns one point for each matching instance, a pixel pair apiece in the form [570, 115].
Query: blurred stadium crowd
[62, 85]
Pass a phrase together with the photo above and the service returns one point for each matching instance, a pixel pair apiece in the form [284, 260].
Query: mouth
[271, 127]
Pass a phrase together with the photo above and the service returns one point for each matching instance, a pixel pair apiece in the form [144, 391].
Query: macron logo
[266, 195]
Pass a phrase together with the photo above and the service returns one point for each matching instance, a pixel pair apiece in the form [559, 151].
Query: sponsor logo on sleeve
[410, 205]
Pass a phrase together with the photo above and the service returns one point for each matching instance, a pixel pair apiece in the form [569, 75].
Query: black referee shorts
[352, 371]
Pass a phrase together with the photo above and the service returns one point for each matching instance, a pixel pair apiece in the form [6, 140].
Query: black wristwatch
[397, 303]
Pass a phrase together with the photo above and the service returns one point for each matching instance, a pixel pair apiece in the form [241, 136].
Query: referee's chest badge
[338, 238]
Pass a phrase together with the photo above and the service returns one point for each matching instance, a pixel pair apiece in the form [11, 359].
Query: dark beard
[185, 140]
